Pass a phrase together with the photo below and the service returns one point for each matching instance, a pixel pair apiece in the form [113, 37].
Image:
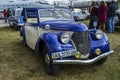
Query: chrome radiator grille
[82, 42]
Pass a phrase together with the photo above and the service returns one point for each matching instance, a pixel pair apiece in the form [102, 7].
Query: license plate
[64, 54]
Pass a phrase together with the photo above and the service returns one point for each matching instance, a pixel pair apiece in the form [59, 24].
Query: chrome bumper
[83, 62]
[20, 24]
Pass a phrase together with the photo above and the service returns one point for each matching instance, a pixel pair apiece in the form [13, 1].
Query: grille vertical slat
[82, 42]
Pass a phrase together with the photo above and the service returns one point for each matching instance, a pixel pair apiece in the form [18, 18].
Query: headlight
[65, 38]
[95, 24]
[99, 34]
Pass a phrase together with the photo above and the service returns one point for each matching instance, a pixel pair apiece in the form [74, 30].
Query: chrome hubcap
[47, 59]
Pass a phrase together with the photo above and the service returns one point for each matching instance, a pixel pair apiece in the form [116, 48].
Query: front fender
[102, 44]
[51, 40]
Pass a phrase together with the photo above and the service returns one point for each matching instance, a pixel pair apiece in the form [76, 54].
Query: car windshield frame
[17, 12]
[54, 14]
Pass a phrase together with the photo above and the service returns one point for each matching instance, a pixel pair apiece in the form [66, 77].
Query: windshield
[52, 14]
[16, 12]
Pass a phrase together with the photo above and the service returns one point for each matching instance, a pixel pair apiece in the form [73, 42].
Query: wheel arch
[39, 46]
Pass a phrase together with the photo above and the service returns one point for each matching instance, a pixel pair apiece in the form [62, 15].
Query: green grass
[18, 62]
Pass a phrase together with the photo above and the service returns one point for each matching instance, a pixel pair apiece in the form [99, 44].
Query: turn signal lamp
[53, 57]
[77, 55]
[98, 51]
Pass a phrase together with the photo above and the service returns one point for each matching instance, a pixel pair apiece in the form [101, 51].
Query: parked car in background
[86, 10]
[16, 20]
[117, 17]
[1, 14]
[54, 34]
[80, 14]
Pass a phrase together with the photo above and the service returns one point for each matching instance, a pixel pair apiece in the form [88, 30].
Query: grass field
[18, 62]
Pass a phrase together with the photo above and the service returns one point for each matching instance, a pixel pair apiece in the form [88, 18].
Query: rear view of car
[16, 20]
[1, 14]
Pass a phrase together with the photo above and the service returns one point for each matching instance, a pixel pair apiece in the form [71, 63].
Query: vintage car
[117, 17]
[54, 34]
[80, 14]
[16, 20]
[1, 14]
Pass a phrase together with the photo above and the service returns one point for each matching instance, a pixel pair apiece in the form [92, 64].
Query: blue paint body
[65, 25]
[53, 43]
[102, 44]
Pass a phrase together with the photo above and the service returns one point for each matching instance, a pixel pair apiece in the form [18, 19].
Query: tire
[51, 69]
[10, 24]
[101, 61]
[16, 27]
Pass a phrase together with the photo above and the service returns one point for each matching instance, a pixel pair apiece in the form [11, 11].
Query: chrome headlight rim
[65, 38]
[99, 34]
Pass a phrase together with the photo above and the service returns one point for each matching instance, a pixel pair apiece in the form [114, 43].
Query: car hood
[65, 25]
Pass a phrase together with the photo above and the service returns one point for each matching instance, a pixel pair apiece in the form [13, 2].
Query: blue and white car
[54, 34]
[16, 20]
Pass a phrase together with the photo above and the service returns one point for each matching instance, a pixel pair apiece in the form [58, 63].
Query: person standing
[8, 12]
[102, 15]
[111, 16]
[93, 15]
[5, 15]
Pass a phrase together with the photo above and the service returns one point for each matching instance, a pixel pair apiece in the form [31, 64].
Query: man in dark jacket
[93, 15]
[111, 16]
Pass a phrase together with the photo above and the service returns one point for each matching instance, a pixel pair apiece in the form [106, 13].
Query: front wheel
[51, 69]
[101, 61]
[16, 27]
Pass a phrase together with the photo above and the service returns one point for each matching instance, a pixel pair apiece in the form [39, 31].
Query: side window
[32, 16]
[32, 20]
[18, 13]
[83, 12]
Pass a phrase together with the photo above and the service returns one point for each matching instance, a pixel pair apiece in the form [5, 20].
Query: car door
[31, 33]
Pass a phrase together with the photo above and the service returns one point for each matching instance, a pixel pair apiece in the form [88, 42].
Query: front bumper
[20, 24]
[83, 62]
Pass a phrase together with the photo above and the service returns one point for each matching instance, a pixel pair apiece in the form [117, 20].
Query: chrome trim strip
[83, 62]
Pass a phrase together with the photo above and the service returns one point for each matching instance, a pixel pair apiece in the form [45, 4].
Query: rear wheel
[51, 69]
[101, 61]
